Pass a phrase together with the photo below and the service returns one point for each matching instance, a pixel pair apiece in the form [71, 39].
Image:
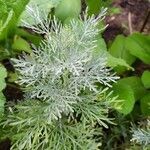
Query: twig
[145, 21]
[130, 22]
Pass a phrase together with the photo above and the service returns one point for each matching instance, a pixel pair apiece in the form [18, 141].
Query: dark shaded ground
[5, 145]
[134, 17]
[12, 91]
[133, 12]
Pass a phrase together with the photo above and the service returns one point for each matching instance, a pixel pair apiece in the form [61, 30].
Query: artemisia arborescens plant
[65, 87]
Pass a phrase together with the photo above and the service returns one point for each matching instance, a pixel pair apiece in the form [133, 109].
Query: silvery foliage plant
[141, 136]
[62, 79]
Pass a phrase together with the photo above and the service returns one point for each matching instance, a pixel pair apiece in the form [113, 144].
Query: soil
[12, 91]
[5, 145]
[135, 12]
[140, 67]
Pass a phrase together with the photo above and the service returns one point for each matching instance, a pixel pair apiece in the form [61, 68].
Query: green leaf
[3, 72]
[3, 8]
[136, 84]
[68, 20]
[3, 75]
[6, 25]
[12, 77]
[2, 103]
[44, 6]
[117, 62]
[145, 104]
[68, 8]
[20, 44]
[139, 46]
[94, 6]
[111, 61]
[114, 11]
[118, 50]
[126, 94]
[9, 22]
[100, 47]
[35, 39]
[2, 84]
[18, 6]
[4, 53]
[146, 79]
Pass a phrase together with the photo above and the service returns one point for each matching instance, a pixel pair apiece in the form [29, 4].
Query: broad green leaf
[111, 61]
[126, 94]
[114, 11]
[146, 79]
[18, 6]
[3, 72]
[115, 62]
[145, 105]
[3, 10]
[67, 8]
[68, 20]
[3, 75]
[44, 6]
[20, 44]
[9, 22]
[2, 103]
[94, 6]
[35, 39]
[2, 84]
[4, 28]
[143, 40]
[118, 50]
[12, 77]
[136, 84]
[4, 53]
[139, 46]
[100, 47]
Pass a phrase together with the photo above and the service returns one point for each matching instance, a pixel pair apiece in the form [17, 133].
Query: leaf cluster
[130, 49]
[141, 135]
[63, 84]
